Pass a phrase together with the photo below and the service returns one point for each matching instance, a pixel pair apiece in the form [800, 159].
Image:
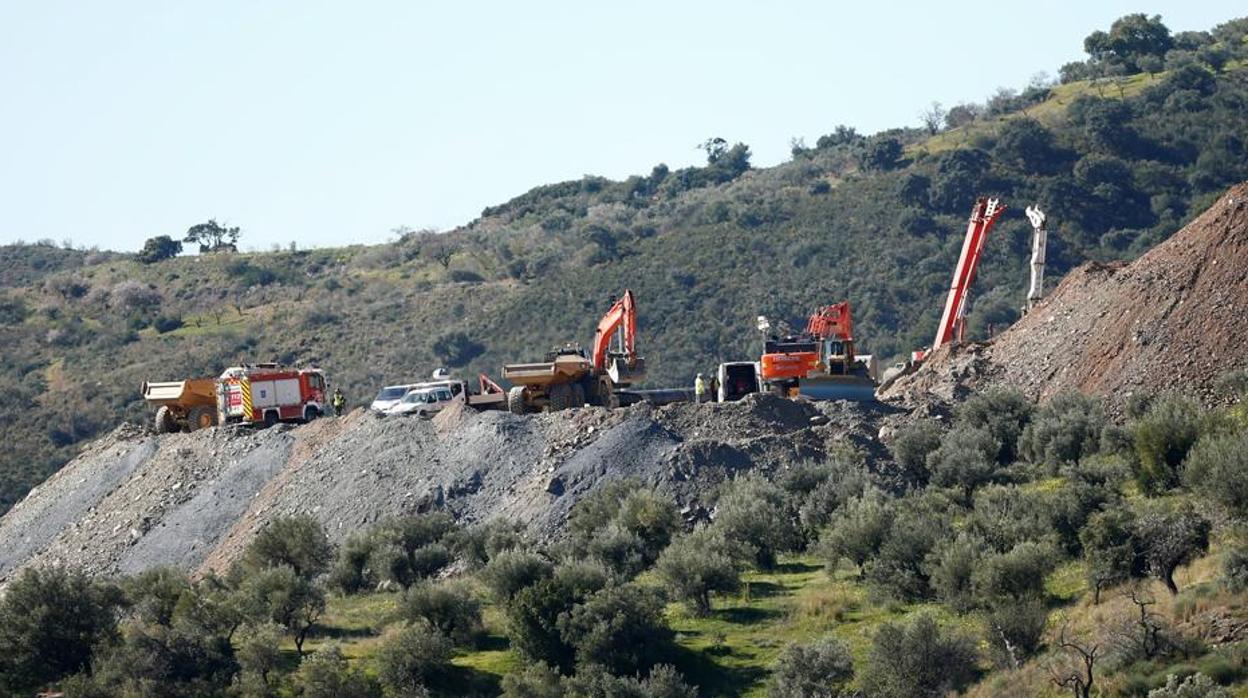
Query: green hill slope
[1121, 155]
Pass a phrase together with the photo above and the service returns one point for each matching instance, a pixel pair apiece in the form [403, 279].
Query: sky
[334, 123]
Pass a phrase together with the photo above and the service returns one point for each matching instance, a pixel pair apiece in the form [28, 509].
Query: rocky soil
[135, 499]
[1177, 316]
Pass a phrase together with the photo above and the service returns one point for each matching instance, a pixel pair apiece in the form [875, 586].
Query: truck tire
[270, 418]
[310, 413]
[606, 393]
[515, 401]
[560, 397]
[578, 395]
[164, 420]
[201, 417]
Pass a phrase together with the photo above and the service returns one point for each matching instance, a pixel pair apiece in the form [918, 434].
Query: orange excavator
[820, 363]
[568, 378]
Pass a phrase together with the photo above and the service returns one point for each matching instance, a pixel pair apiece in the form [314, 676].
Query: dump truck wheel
[270, 418]
[606, 393]
[560, 397]
[164, 420]
[311, 413]
[515, 401]
[201, 417]
[578, 395]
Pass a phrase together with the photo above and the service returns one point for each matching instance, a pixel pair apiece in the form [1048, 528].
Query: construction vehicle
[736, 379]
[568, 378]
[820, 362]
[268, 393]
[185, 405]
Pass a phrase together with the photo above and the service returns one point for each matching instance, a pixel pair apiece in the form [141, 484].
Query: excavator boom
[952, 321]
[621, 320]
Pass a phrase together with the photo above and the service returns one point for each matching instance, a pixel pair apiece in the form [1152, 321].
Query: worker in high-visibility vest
[340, 402]
[699, 388]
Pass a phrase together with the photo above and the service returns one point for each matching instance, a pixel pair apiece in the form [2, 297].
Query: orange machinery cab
[789, 358]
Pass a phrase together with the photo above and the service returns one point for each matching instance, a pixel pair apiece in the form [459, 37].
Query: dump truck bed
[196, 391]
[562, 370]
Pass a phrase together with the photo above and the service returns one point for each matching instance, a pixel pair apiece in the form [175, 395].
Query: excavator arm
[620, 320]
[953, 319]
[832, 322]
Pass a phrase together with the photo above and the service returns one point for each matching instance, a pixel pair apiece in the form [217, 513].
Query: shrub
[1006, 515]
[1063, 430]
[1235, 567]
[596, 682]
[951, 568]
[132, 296]
[1004, 413]
[296, 541]
[857, 531]
[699, 564]
[477, 545]
[166, 323]
[1014, 575]
[911, 448]
[49, 620]
[900, 571]
[159, 248]
[179, 661]
[513, 570]
[1162, 438]
[456, 348]
[965, 459]
[350, 573]
[281, 595]
[1014, 631]
[620, 628]
[533, 613]
[624, 525]
[326, 674]
[1194, 686]
[410, 657]
[536, 680]
[1109, 550]
[448, 607]
[917, 659]
[1217, 468]
[752, 511]
[821, 669]
[259, 658]
[1170, 535]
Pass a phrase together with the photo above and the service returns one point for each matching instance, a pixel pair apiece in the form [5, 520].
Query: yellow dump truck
[183, 405]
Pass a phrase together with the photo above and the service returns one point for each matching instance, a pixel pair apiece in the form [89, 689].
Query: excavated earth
[134, 499]
[1177, 317]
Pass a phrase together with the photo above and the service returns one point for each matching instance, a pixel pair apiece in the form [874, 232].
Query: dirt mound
[135, 500]
[1177, 317]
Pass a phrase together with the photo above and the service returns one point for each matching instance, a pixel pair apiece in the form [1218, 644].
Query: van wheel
[201, 417]
[311, 413]
[515, 401]
[270, 418]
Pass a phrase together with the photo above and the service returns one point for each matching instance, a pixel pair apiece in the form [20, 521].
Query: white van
[390, 395]
[423, 401]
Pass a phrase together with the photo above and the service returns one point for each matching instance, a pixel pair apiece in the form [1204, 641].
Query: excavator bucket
[623, 374]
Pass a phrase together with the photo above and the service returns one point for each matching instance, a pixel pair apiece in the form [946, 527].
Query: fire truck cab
[268, 393]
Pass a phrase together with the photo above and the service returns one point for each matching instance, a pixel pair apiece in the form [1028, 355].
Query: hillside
[1121, 159]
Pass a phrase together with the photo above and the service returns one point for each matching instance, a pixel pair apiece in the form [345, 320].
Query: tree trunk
[1168, 578]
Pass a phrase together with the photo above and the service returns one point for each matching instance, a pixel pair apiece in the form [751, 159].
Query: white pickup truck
[423, 402]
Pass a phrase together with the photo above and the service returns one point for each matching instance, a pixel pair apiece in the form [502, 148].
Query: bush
[49, 620]
[752, 511]
[326, 674]
[533, 613]
[965, 459]
[1235, 567]
[280, 595]
[1110, 550]
[448, 607]
[900, 570]
[623, 525]
[1064, 430]
[596, 682]
[1015, 575]
[1170, 535]
[259, 658]
[619, 628]
[917, 660]
[699, 564]
[410, 657]
[166, 323]
[513, 570]
[536, 680]
[822, 669]
[1194, 686]
[910, 451]
[159, 661]
[951, 569]
[399, 550]
[857, 531]
[296, 541]
[456, 348]
[1217, 468]
[1004, 413]
[159, 248]
[1015, 631]
[1162, 438]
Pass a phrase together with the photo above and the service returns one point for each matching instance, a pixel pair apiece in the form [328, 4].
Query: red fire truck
[269, 393]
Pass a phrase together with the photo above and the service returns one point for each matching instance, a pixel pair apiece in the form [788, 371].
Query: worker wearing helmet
[699, 388]
[340, 402]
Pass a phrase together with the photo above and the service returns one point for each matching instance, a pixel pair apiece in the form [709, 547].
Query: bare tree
[933, 118]
[1078, 672]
